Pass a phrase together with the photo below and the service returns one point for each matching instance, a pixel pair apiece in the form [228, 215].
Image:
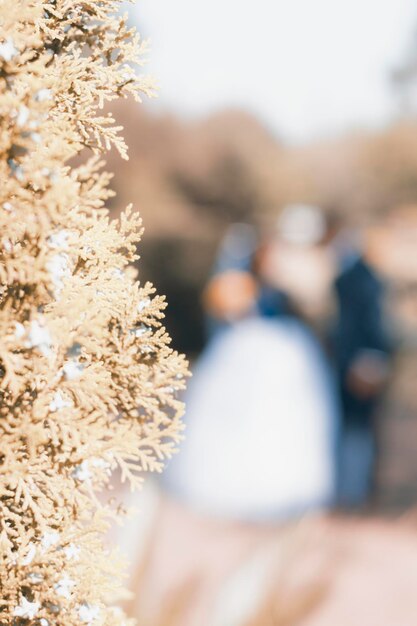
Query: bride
[261, 416]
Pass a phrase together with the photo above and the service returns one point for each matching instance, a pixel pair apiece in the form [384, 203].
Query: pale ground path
[376, 583]
[217, 574]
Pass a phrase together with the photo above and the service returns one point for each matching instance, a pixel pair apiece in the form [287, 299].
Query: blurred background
[283, 147]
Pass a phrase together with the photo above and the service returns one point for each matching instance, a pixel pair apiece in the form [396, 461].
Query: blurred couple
[281, 408]
[276, 427]
[261, 412]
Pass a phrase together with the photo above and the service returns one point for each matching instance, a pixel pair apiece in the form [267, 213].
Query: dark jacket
[360, 327]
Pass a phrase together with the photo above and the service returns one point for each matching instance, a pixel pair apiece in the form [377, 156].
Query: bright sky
[305, 67]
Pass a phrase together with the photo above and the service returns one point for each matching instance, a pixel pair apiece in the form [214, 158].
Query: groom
[362, 354]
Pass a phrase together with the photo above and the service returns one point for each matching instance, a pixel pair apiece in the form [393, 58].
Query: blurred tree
[227, 193]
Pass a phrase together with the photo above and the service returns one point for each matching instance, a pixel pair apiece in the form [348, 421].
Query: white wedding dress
[261, 421]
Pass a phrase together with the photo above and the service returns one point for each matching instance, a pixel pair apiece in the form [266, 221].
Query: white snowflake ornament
[59, 240]
[20, 331]
[22, 116]
[72, 370]
[64, 587]
[58, 402]
[72, 552]
[88, 613]
[26, 609]
[50, 539]
[7, 50]
[58, 267]
[39, 337]
[43, 94]
[143, 304]
[30, 555]
[82, 472]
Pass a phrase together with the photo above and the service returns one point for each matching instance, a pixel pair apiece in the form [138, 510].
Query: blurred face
[391, 248]
[305, 273]
[230, 296]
